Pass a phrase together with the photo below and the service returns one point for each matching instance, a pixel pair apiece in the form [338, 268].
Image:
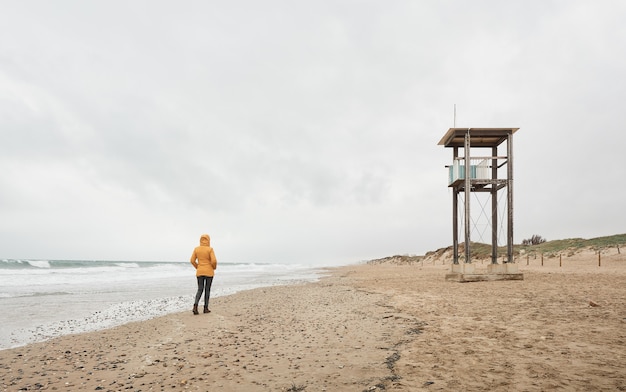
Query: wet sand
[371, 327]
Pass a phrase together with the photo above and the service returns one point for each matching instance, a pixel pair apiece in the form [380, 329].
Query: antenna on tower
[454, 115]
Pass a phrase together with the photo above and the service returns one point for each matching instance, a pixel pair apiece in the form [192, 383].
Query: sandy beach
[393, 325]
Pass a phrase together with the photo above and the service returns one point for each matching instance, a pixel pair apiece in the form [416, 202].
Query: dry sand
[368, 327]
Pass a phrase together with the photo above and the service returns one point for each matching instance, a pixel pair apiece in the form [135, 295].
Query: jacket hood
[205, 240]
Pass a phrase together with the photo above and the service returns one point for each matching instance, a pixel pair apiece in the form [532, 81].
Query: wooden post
[467, 195]
[455, 214]
[494, 206]
[560, 256]
[542, 259]
[526, 259]
[509, 193]
[599, 262]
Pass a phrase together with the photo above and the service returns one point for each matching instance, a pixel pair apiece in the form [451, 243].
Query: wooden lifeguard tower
[479, 173]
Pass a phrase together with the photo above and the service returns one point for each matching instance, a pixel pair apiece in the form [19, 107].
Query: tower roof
[479, 137]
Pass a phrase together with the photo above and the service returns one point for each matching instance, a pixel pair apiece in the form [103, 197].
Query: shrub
[534, 240]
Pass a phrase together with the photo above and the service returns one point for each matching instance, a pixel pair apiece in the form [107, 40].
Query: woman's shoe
[195, 309]
[206, 309]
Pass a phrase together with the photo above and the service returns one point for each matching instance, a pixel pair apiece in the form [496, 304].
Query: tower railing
[480, 168]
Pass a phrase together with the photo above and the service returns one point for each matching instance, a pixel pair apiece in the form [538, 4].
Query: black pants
[204, 284]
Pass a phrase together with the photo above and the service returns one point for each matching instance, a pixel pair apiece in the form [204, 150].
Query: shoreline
[362, 327]
[77, 309]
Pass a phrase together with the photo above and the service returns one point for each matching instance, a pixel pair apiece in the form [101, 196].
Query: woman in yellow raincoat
[204, 261]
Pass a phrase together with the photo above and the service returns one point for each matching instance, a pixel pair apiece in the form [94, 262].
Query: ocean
[42, 299]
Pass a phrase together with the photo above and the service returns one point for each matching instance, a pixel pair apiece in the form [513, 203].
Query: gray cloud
[297, 132]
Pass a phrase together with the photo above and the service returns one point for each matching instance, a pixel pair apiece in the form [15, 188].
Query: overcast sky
[298, 131]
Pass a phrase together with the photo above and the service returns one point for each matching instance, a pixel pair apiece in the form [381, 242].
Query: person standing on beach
[204, 261]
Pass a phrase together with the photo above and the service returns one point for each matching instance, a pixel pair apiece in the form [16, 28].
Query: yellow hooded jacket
[203, 258]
